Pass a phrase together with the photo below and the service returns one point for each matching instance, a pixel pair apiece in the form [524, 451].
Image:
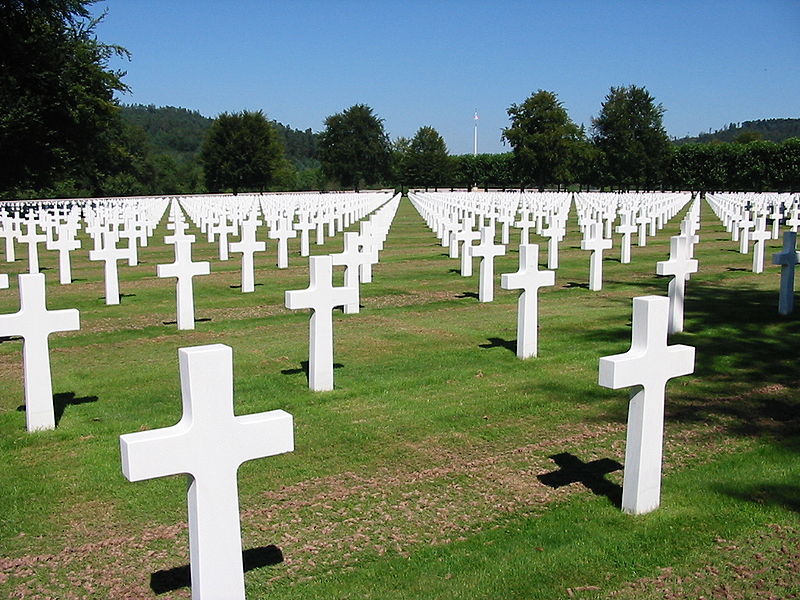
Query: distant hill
[179, 132]
[773, 130]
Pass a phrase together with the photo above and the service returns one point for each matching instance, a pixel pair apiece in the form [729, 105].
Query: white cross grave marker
[248, 245]
[33, 239]
[34, 323]
[681, 266]
[466, 236]
[596, 243]
[110, 254]
[351, 258]
[208, 444]
[788, 259]
[183, 269]
[321, 297]
[282, 233]
[759, 237]
[529, 279]
[646, 368]
[487, 250]
[627, 229]
[65, 243]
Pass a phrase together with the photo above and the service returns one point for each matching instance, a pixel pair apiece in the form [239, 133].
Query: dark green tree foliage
[354, 148]
[56, 93]
[241, 152]
[756, 166]
[399, 163]
[544, 140]
[630, 134]
[428, 164]
[483, 171]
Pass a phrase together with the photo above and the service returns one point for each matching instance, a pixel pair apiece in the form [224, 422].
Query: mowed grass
[419, 476]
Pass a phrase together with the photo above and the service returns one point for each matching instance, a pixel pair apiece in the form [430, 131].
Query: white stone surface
[487, 250]
[184, 270]
[529, 279]
[110, 254]
[64, 244]
[33, 239]
[681, 266]
[321, 297]
[248, 246]
[787, 259]
[595, 242]
[209, 444]
[646, 368]
[34, 323]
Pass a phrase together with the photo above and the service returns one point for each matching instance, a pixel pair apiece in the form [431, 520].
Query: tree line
[63, 134]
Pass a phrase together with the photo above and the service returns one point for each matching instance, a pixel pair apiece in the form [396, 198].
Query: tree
[241, 152]
[630, 134]
[56, 93]
[354, 148]
[427, 161]
[544, 139]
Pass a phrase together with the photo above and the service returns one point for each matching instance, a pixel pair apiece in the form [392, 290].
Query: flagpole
[475, 141]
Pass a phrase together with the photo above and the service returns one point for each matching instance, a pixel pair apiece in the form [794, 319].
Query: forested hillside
[179, 133]
[771, 130]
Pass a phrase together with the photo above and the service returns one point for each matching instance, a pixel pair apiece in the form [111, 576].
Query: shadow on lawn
[783, 495]
[173, 579]
[592, 475]
[304, 369]
[500, 343]
[746, 369]
[62, 400]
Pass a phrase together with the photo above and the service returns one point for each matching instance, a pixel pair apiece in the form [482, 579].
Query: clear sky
[709, 62]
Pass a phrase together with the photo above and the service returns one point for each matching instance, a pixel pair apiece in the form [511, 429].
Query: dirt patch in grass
[762, 567]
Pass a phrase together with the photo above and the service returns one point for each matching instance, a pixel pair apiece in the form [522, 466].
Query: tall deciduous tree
[428, 162]
[354, 147]
[630, 134]
[241, 152]
[544, 139]
[56, 92]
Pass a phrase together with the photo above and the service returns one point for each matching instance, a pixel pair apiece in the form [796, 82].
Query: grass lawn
[441, 466]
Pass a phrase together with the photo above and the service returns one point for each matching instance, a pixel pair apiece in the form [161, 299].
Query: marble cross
[321, 297]
[110, 254]
[34, 323]
[248, 246]
[65, 243]
[209, 444]
[595, 242]
[681, 266]
[33, 239]
[627, 229]
[646, 368]
[487, 250]
[282, 233]
[183, 269]
[529, 279]
[351, 258]
[759, 236]
[787, 259]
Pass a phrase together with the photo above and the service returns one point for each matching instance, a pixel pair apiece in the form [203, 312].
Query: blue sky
[433, 63]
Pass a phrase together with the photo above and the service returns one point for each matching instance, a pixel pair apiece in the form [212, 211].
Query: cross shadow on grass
[169, 580]
[591, 475]
[203, 320]
[575, 284]
[468, 295]
[62, 400]
[304, 369]
[495, 342]
[239, 286]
